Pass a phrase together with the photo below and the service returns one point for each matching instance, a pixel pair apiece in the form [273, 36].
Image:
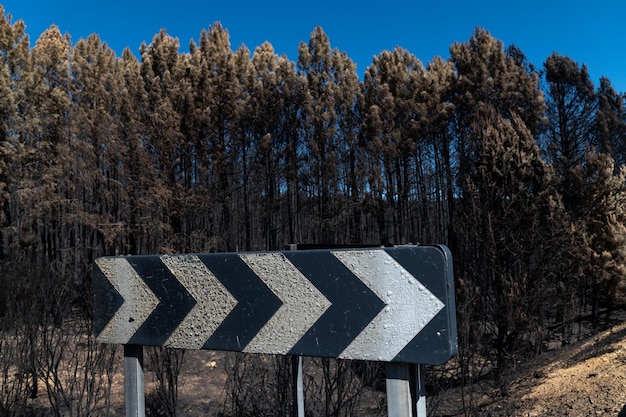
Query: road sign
[382, 304]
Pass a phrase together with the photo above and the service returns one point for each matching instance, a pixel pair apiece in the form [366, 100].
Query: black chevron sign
[381, 304]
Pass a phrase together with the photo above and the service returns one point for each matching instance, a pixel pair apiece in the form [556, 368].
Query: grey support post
[133, 381]
[404, 398]
[398, 390]
[420, 391]
[298, 388]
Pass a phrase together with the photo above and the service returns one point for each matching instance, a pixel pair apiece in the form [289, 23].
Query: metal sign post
[406, 396]
[134, 381]
[399, 401]
[297, 410]
[419, 393]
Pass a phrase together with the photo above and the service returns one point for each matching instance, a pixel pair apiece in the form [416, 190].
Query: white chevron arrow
[409, 306]
[139, 300]
[213, 301]
[303, 304]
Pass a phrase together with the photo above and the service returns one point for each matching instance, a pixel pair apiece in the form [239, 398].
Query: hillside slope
[584, 379]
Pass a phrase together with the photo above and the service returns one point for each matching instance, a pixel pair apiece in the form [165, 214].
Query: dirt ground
[583, 379]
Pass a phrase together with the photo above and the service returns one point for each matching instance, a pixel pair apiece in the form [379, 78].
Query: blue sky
[588, 32]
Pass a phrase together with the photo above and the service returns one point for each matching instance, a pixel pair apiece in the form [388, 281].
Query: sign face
[379, 304]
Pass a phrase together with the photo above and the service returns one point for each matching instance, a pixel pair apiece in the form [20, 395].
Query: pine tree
[511, 224]
[159, 70]
[45, 129]
[611, 123]
[94, 179]
[490, 75]
[349, 106]
[571, 107]
[146, 228]
[15, 54]
[272, 109]
[327, 74]
[486, 75]
[394, 89]
[440, 81]
[601, 233]
[223, 74]
[243, 148]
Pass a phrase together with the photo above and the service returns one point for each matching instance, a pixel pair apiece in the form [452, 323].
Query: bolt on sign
[378, 304]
